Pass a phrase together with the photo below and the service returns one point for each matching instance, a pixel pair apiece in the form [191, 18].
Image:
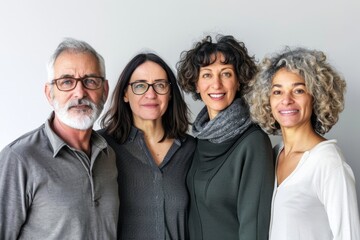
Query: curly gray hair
[322, 81]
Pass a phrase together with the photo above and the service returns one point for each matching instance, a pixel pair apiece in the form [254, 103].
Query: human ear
[49, 93]
[126, 99]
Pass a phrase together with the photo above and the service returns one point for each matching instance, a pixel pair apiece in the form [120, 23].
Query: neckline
[298, 166]
[300, 163]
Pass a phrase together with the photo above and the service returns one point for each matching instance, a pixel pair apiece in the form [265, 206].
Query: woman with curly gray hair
[299, 95]
[231, 177]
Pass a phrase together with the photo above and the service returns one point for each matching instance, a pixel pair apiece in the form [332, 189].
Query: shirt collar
[58, 143]
[135, 131]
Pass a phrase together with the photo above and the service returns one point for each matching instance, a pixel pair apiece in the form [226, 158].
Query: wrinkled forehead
[76, 64]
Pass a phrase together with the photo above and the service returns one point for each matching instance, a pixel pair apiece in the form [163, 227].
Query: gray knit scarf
[229, 123]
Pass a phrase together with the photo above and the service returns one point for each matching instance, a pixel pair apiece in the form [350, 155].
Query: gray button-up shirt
[154, 199]
[49, 190]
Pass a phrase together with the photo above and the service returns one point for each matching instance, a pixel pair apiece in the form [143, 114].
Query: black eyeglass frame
[55, 82]
[148, 86]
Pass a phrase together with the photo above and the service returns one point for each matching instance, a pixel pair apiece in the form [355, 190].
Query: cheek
[131, 100]
[310, 106]
[59, 98]
[164, 103]
[200, 86]
[134, 105]
[233, 89]
[96, 97]
[272, 104]
[235, 84]
[166, 100]
[197, 88]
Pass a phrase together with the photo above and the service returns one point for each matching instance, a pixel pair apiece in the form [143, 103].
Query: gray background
[31, 30]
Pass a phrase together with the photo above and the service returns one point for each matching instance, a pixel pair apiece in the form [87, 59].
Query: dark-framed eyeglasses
[141, 87]
[69, 83]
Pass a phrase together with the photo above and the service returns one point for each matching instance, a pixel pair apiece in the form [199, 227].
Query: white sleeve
[338, 194]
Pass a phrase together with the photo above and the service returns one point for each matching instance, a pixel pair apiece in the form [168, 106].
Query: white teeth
[216, 95]
[289, 111]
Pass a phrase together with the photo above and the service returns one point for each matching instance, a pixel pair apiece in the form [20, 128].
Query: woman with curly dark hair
[299, 95]
[231, 178]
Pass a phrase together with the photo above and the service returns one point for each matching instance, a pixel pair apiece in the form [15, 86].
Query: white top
[317, 201]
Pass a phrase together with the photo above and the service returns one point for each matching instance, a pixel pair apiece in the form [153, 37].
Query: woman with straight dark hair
[146, 125]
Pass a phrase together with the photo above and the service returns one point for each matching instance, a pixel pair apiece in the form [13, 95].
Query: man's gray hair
[75, 46]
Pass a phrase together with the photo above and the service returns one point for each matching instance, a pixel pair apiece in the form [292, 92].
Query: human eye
[160, 85]
[140, 85]
[276, 92]
[90, 81]
[226, 74]
[66, 82]
[206, 75]
[299, 91]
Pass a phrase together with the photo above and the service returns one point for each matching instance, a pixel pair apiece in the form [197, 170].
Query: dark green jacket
[231, 187]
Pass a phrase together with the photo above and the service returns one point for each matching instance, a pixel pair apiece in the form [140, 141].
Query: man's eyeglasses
[69, 83]
[140, 88]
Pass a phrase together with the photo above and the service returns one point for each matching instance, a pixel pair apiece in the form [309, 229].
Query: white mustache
[77, 102]
[82, 119]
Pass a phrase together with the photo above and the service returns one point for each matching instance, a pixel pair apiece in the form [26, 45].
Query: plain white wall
[31, 30]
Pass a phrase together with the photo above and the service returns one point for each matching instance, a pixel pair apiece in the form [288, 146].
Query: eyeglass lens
[142, 87]
[67, 84]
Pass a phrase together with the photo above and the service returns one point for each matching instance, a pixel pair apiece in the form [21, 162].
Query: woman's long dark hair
[118, 120]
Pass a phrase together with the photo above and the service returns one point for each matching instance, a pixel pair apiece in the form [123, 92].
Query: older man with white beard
[59, 181]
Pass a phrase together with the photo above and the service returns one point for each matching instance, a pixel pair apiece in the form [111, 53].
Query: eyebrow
[86, 75]
[294, 85]
[156, 80]
[222, 69]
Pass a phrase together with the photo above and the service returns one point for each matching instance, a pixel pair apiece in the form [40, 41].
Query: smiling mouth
[217, 95]
[289, 111]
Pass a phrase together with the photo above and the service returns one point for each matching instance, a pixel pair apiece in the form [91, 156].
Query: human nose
[150, 93]
[287, 99]
[79, 91]
[216, 82]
